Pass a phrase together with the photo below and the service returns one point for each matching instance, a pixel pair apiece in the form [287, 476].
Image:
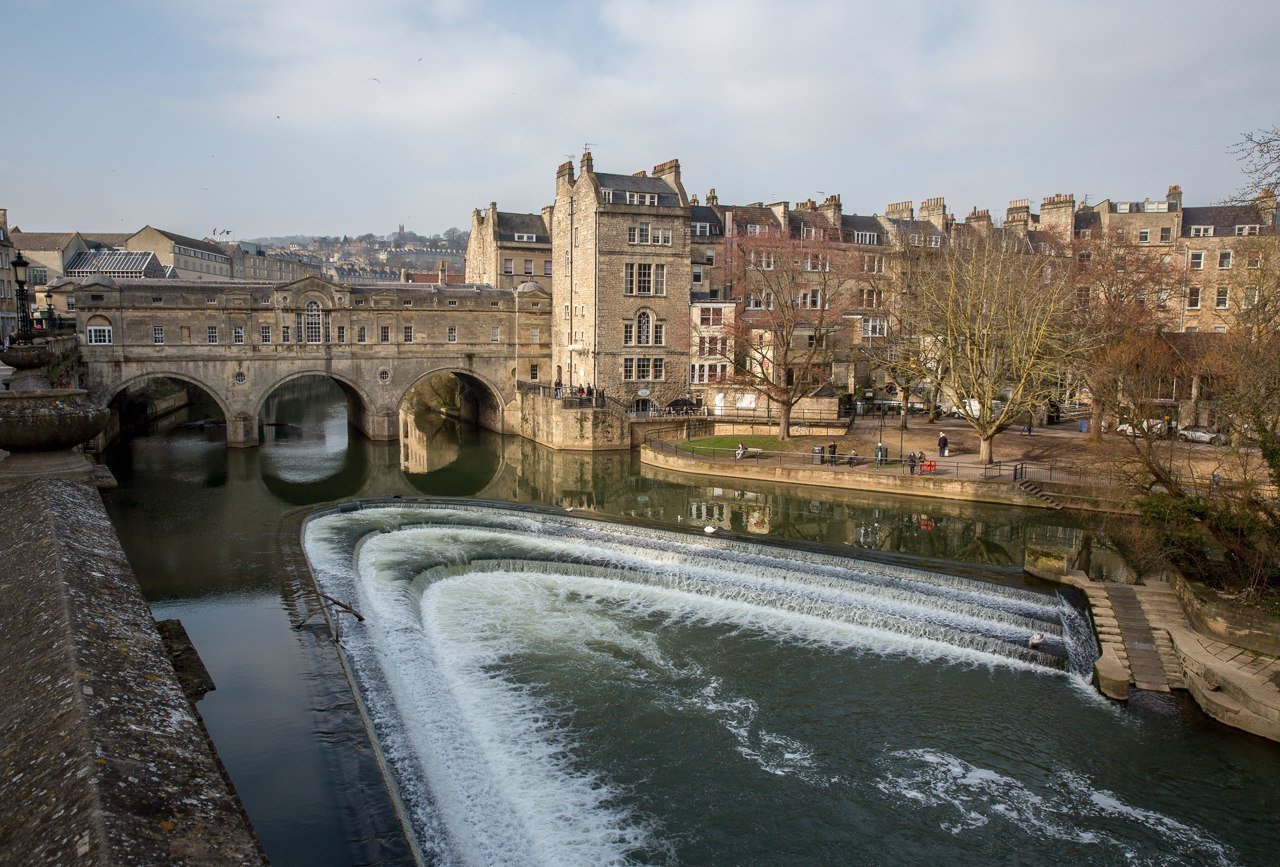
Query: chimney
[979, 219]
[832, 210]
[404, 275]
[1057, 215]
[670, 172]
[565, 171]
[712, 199]
[935, 211]
[1018, 214]
[1174, 197]
[442, 268]
[694, 199]
[900, 210]
[641, 174]
[588, 165]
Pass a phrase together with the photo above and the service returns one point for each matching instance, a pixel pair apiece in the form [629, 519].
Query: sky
[274, 117]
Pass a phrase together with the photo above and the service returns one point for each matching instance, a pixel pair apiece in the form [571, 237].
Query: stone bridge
[241, 341]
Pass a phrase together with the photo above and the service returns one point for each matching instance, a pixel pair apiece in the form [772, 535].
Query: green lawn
[727, 444]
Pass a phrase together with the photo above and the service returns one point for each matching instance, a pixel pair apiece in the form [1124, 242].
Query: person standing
[942, 445]
[831, 452]
[911, 462]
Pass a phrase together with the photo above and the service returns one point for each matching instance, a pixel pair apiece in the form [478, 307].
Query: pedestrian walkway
[1133, 625]
[1234, 686]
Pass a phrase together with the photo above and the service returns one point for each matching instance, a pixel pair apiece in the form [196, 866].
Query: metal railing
[675, 442]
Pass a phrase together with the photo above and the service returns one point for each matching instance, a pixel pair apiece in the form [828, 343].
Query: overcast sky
[274, 117]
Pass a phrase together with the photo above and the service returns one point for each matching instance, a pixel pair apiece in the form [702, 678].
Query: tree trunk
[902, 422]
[784, 422]
[984, 449]
[1095, 421]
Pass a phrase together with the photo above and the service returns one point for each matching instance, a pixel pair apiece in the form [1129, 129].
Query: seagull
[1036, 640]
[377, 80]
[708, 529]
[419, 59]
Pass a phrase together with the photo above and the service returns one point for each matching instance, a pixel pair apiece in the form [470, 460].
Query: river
[714, 740]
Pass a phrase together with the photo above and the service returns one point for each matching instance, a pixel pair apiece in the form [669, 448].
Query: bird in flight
[377, 80]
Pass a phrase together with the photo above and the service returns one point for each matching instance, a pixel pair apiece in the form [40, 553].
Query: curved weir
[556, 690]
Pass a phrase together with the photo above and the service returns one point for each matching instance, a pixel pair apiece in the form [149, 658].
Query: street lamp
[23, 334]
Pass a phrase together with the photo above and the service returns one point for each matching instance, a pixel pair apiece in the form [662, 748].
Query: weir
[452, 591]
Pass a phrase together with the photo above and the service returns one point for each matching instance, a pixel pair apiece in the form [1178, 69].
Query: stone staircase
[1031, 489]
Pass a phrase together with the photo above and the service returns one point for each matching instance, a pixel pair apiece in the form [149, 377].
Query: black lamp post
[23, 334]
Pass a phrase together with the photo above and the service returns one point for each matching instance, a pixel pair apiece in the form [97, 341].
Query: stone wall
[920, 486]
[563, 425]
[1230, 624]
[103, 760]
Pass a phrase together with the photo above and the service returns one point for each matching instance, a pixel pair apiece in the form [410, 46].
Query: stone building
[506, 249]
[191, 258]
[621, 283]
[8, 310]
[250, 261]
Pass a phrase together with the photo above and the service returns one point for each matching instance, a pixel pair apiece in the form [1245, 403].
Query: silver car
[1201, 434]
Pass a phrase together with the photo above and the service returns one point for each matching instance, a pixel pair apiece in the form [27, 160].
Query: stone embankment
[1147, 643]
[104, 759]
[858, 478]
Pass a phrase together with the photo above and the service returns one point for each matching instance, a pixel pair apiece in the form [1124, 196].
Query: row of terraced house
[641, 287]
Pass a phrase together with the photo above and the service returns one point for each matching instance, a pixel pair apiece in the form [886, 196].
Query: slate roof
[107, 239]
[744, 215]
[861, 223]
[1223, 218]
[707, 214]
[667, 197]
[193, 243]
[1087, 219]
[510, 225]
[916, 227]
[41, 240]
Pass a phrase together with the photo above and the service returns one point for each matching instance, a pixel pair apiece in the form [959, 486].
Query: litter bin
[1083, 425]
[818, 454]
[882, 455]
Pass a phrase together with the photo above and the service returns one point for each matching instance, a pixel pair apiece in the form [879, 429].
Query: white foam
[970, 797]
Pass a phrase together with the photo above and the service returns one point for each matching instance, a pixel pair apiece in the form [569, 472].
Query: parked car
[1137, 428]
[1201, 434]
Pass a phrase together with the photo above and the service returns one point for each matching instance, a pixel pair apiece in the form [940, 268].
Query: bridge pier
[380, 426]
[242, 430]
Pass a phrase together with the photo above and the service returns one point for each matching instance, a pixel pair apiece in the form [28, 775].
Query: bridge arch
[486, 405]
[360, 407]
[117, 389]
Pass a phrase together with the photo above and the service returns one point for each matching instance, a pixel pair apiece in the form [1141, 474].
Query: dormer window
[754, 230]
[703, 229]
[520, 236]
[807, 232]
[1241, 231]
[607, 195]
[866, 238]
[1202, 231]
[642, 198]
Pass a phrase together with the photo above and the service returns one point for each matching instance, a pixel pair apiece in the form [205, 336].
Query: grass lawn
[724, 444]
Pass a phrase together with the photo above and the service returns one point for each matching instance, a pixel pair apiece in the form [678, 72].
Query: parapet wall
[103, 758]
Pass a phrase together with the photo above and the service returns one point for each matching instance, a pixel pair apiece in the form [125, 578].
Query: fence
[943, 467]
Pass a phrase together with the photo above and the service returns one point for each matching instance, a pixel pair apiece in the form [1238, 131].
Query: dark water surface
[199, 521]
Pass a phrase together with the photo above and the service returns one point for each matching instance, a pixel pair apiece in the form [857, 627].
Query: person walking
[942, 445]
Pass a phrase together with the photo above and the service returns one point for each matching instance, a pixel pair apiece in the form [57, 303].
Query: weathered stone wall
[922, 486]
[1230, 624]
[563, 425]
[103, 759]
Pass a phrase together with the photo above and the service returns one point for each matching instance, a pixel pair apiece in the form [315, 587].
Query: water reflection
[198, 522]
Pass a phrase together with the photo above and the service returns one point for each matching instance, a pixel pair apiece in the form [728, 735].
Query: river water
[625, 694]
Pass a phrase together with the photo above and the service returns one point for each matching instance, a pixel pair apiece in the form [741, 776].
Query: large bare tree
[791, 321]
[991, 319]
[1123, 291]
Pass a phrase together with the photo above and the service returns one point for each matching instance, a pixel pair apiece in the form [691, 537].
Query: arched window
[312, 322]
[644, 329]
[98, 331]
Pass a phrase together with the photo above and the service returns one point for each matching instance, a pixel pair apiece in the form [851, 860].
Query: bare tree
[1122, 291]
[991, 320]
[889, 348]
[1259, 156]
[795, 293]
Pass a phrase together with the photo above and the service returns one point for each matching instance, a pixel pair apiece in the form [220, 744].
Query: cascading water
[557, 690]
